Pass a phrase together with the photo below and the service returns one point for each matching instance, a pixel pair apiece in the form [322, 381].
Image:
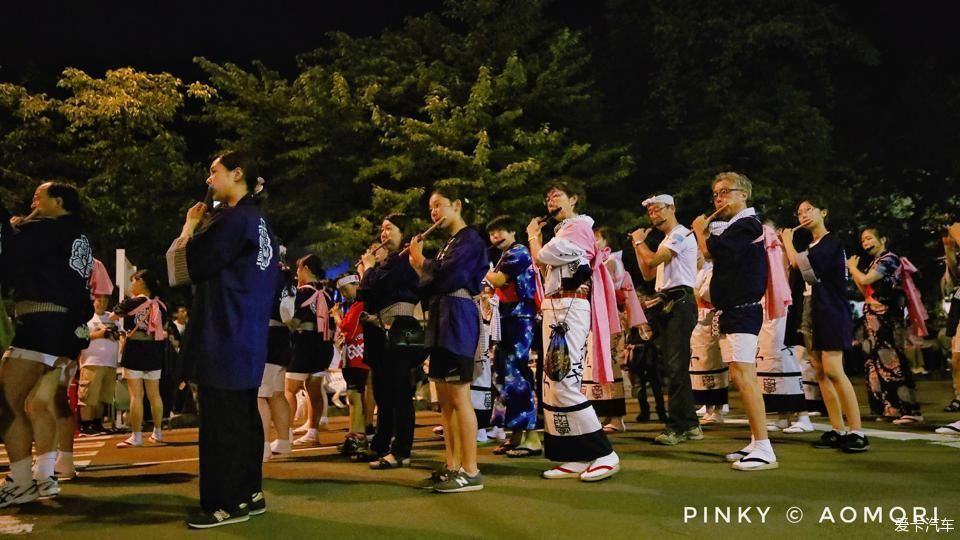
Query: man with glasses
[674, 310]
[736, 290]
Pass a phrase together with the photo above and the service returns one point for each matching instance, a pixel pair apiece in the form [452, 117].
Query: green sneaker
[435, 478]
[670, 438]
[460, 482]
[694, 434]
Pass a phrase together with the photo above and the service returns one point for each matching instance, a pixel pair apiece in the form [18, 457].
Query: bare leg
[280, 414]
[368, 402]
[752, 396]
[263, 407]
[156, 403]
[291, 387]
[17, 378]
[833, 370]
[830, 398]
[40, 409]
[317, 392]
[135, 416]
[446, 420]
[466, 420]
[955, 372]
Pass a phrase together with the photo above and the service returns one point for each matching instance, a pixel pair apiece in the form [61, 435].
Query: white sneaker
[48, 488]
[568, 470]
[438, 430]
[482, 436]
[311, 437]
[712, 418]
[281, 446]
[800, 427]
[726, 408]
[702, 411]
[601, 468]
[497, 432]
[12, 493]
[949, 429]
[756, 461]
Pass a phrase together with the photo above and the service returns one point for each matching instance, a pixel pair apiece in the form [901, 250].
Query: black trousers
[231, 447]
[393, 388]
[674, 344]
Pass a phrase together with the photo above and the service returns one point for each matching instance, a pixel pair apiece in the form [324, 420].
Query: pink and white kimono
[573, 432]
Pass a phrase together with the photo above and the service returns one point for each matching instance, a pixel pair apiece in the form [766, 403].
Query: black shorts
[143, 355]
[448, 367]
[310, 354]
[356, 378]
[55, 334]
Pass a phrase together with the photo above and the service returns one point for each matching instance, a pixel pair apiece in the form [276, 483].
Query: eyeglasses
[724, 192]
[552, 196]
[655, 209]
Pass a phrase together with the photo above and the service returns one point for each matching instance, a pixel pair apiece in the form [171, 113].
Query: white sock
[21, 471]
[858, 432]
[763, 446]
[804, 419]
[324, 420]
[311, 433]
[280, 446]
[64, 462]
[136, 437]
[44, 466]
[157, 433]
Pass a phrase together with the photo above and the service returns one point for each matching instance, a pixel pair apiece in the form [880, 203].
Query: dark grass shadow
[97, 512]
[133, 480]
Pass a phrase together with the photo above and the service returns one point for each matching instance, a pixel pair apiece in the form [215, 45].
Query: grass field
[145, 493]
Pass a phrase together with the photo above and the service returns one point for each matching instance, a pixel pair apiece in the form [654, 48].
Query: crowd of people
[508, 337]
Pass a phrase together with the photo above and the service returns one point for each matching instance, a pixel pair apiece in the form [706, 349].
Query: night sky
[39, 39]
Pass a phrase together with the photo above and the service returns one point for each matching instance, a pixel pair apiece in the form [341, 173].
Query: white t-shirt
[681, 270]
[102, 351]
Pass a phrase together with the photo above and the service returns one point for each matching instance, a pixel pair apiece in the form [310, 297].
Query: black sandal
[383, 463]
[522, 452]
[504, 448]
[953, 406]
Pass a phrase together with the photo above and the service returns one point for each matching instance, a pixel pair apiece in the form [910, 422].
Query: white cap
[659, 199]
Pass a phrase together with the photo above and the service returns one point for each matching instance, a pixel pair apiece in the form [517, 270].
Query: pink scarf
[154, 319]
[623, 282]
[915, 309]
[100, 284]
[635, 315]
[778, 296]
[605, 319]
[323, 313]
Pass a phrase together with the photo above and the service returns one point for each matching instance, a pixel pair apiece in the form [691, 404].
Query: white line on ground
[945, 440]
[10, 524]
